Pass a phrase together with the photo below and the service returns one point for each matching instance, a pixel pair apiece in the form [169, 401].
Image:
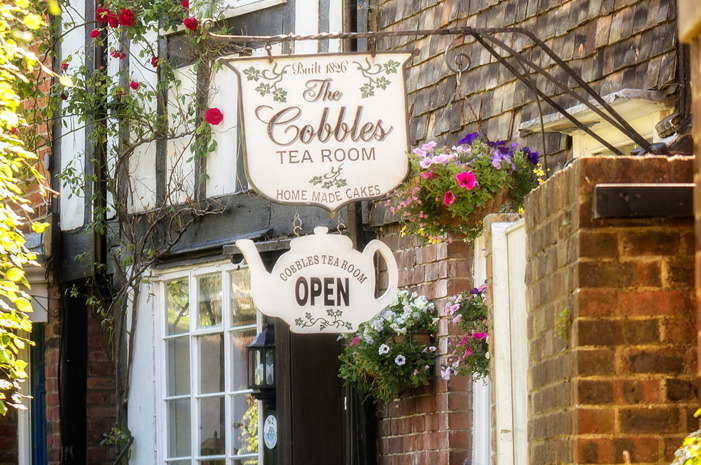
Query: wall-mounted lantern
[261, 366]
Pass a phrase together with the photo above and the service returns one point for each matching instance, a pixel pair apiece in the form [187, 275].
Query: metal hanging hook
[459, 62]
[269, 50]
[297, 223]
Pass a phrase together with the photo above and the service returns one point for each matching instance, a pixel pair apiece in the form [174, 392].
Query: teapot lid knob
[321, 230]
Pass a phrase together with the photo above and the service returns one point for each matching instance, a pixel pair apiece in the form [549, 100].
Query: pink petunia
[468, 352]
[448, 198]
[355, 341]
[427, 174]
[478, 336]
[463, 341]
[457, 318]
[466, 179]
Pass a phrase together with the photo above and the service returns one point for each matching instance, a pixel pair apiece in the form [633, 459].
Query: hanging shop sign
[321, 285]
[324, 129]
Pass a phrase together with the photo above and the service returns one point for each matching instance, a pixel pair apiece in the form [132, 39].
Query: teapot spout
[255, 263]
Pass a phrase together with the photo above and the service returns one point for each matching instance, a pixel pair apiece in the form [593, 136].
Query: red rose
[118, 54]
[190, 23]
[126, 17]
[112, 20]
[13, 129]
[213, 116]
[101, 14]
[95, 33]
[154, 62]
[64, 66]
[64, 96]
[134, 85]
[186, 4]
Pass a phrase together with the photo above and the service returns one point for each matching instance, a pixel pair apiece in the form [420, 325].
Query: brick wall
[623, 378]
[431, 424]
[8, 438]
[690, 33]
[614, 44]
[101, 397]
[52, 341]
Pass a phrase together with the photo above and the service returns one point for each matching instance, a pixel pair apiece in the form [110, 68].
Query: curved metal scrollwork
[457, 61]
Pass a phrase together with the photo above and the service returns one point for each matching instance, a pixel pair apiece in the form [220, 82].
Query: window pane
[245, 420]
[212, 432]
[211, 363]
[243, 311]
[246, 461]
[178, 306]
[179, 428]
[178, 366]
[209, 301]
[238, 358]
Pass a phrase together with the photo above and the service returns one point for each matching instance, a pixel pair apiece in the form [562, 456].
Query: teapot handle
[392, 270]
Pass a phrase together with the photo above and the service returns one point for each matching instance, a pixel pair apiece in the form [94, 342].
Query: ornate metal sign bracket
[511, 60]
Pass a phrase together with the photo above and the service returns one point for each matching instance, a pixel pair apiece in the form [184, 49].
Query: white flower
[399, 359]
[384, 349]
[432, 348]
[368, 339]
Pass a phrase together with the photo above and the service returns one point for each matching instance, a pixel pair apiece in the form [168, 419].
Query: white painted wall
[72, 133]
[307, 22]
[221, 164]
[180, 165]
[143, 393]
[142, 164]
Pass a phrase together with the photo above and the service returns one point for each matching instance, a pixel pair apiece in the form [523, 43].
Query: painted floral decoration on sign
[449, 191]
[393, 351]
[470, 353]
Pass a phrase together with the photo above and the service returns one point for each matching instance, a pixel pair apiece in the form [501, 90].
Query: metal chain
[297, 223]
[339, 223]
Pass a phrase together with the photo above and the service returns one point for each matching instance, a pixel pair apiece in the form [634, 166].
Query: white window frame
[192, 273]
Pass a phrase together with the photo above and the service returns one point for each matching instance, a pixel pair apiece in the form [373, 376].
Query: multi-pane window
[209, 416]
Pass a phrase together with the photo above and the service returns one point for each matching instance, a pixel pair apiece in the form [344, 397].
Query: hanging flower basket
[394, 351]
[450, 191]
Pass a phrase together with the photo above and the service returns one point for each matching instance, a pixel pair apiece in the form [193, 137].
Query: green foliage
[449, 189]
[18, 21]
[116, 438]
[563, 324]
[387, 355]
[470, 355]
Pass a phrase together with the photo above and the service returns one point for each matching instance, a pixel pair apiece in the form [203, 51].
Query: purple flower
[532, 156]
[469, 139]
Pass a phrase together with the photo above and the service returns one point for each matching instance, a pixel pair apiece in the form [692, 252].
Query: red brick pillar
[431, 425]
[52, 340]
[690, 33]
[611, 308]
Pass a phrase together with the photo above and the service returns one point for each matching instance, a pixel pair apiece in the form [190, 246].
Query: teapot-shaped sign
[322, 285]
